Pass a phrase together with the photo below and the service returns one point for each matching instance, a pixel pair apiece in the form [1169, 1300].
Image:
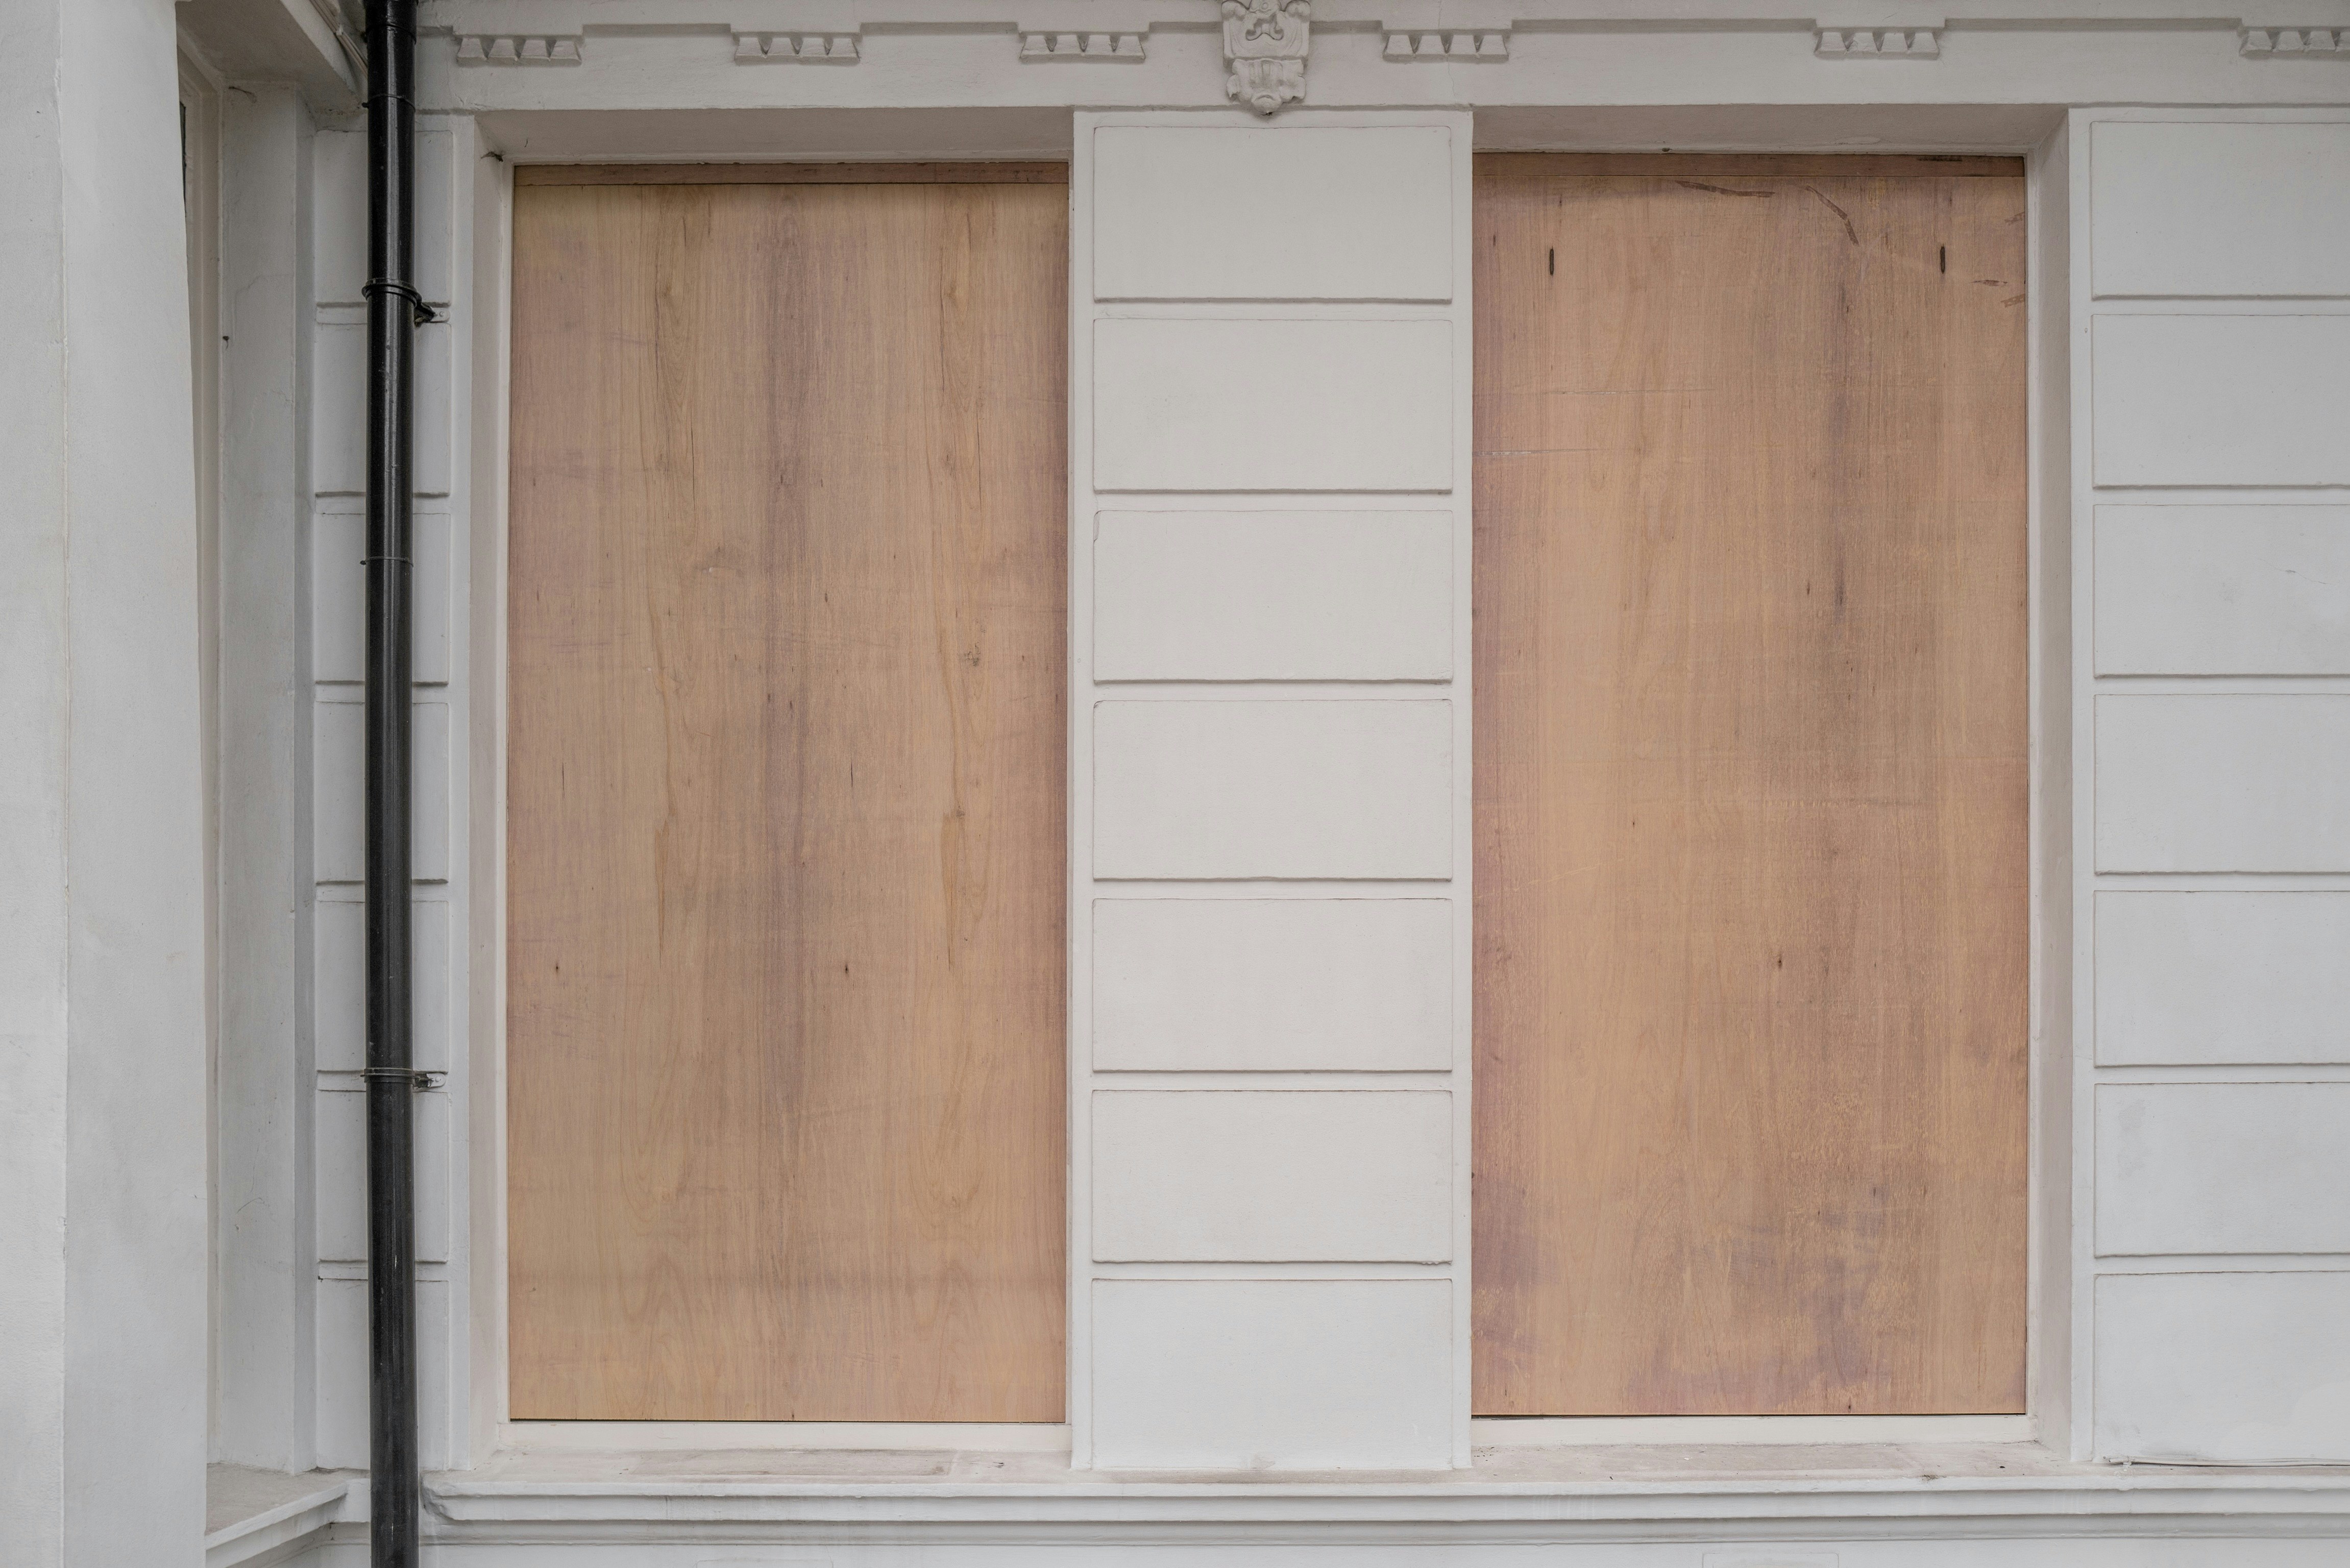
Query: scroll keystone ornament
[1265, 42]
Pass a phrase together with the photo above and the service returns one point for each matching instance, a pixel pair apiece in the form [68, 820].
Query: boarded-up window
[1752, 787]
[785, 799]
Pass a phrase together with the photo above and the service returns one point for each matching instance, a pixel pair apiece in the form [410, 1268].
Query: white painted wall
[1269, 790]
[103, 1342]
[2211, 333]
[2201, 580]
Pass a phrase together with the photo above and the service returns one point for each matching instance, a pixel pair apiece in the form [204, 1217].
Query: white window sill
[253, 1513]
[1517, 1493]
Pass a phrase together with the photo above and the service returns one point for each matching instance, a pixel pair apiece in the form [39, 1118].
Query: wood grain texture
[1743, 165]
[786, 803]
[1752, 793]
[931, 174]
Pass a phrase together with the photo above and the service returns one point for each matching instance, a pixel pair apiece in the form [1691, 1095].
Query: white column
[102, 1090]
[1269, 790]
[2211, 452]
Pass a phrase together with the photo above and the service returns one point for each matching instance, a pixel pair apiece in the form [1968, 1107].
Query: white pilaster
[266, 1285]
[102, 1071]
[1269, 790]
[2211, 429]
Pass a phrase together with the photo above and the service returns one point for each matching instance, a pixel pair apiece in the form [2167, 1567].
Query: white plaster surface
[1257, 212]
[339, 747]
[2223, 590]
[2249, 782]
[339, 997]
[1273, 789]
[339, 403]
[338, 596]
[2254, 400]
[103, 998]
[2243, 1368]
[1273, 1176]
[341, 247]
[2208, 976]
[2224, 1168]
[1272, 1374]
[2205, 208]
[262, 1209]
[342, 1388]
[1267, 984]
[342, 1175]
[1273, 596]
[1281, 404]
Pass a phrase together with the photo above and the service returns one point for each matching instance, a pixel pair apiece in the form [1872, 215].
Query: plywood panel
[785, 809]
[1751, 776]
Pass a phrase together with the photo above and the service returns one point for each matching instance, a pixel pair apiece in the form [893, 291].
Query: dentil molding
[515, 49]
[1481, 47]
[1089, 49]
[795, 48]
[1877, 43]
[2320, 43]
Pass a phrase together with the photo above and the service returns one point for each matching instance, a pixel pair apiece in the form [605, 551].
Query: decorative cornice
[1086, 48]
[1877, 43]
[795, 48]
[1483, 46]
[2267, 43]
[511, 50]
[1264, 44]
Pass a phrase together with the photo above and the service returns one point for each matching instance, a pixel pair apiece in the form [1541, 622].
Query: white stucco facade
[1270, 794]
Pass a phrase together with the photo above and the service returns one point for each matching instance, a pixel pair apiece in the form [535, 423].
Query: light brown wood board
[1752, 792]
[786, 812]
[923, 173]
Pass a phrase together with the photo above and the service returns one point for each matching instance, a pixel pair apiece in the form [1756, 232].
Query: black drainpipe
[394, 1480]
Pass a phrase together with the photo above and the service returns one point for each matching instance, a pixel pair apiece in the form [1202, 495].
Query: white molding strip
[684, 1437]
[1560, 1431]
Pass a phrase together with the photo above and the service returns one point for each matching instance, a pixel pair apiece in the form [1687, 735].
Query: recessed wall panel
[338, 937]
[1272, 1373]
[1267, 984]
[1310, 212]
[1280, 405]
[1273, 789]
[1275, 1176]
[2224, 1168]
[2209, 976]
[2223, 590]
[2220, 209]
[339, 596]
[2242, 1369]
[2223, 783]
[1273, 596]
[2220, 400]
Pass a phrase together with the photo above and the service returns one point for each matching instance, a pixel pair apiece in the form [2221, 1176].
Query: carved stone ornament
[1264, 43]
